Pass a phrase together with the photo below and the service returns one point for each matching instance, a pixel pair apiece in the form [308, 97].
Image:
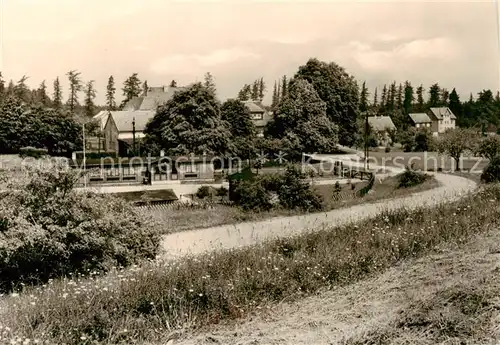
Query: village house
[442, 119]
[382, 126]
[420, 120]
[259, 115]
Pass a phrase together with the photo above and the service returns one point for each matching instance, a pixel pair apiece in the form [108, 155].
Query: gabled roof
[254, 107]
[381, 123]
[102, 117]
[123, 119]
[420, 118]
[154, 97]
[440, 111]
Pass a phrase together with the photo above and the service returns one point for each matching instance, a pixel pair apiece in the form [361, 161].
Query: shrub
[34, 152]
[410, 178]
[48, 230]
[203, 192]
[387, 149]
[423, 141]
[296, 193]
[492, 171]
[489, 147]
[222, 191]
[252, 196]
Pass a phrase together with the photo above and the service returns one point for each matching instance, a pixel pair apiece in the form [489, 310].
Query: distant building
[117, 128]
[442, 119]
[420, 120]
[152, 98]
[382, 126]
[259, 115]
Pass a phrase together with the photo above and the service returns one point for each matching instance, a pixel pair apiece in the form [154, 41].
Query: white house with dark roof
[420, 120]
[259, 115]
[442, 119]
[382, 125]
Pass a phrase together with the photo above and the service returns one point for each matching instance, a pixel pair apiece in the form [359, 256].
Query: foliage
[492, 172]
[252, 196]
[75, 86]
[57, 95]
[24, 125]
[110, 94]
[203, 192]
[300, 121]
[190, 122]
[241, 126]
[131, 88]
[387, 149]
[222, 191]
[339, 91]
[424, 141]
[90, 94]
[51, 230]
[296, 193]
[455, 142]
[411, 178]
[32, 152]
[489, 147]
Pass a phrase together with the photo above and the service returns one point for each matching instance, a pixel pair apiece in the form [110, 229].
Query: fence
[176, 206]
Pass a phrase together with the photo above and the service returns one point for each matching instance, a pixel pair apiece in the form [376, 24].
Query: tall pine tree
[255, 91]
[434, 96]
[41, 93]
[110, 94]
[408, 98]
[90, 94]
[209, 83]
[131, 88]
[445, 95]
[262, 89]
[363, 98]
[420, 99]
[284, 88]
[375, 99]
[57, 94]
[399, 97]
[75, 86]
[274, 101]
[383, 99]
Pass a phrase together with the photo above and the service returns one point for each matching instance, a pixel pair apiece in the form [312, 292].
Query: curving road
[244, 234]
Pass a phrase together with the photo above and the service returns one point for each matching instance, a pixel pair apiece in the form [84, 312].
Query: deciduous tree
[454, 142]
[131, 88]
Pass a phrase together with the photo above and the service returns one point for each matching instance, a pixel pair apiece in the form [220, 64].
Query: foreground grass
[174, 220]
[146, 303]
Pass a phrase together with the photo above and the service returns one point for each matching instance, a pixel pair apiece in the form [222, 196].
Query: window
[189, 168]
[257, 116]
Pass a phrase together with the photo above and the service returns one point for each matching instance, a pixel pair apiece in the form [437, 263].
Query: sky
[454, 43]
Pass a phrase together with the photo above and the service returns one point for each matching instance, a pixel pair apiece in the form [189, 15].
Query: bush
[203, 192]
[387, 149]
[49, 230]
[296, 193]
[423, 141]
[34, 152]
[489, 147]
[411, 178]
[222, 192]
[252, 196]
[492, 171]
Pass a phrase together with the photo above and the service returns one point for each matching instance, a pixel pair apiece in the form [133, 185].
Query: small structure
[157, 170]
[259, 115]
[382, 126]
[442, 119]
[420, 120]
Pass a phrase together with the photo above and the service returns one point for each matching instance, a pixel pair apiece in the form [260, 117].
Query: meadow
[147, 303]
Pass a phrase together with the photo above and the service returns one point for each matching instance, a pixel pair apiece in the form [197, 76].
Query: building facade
[442, 119]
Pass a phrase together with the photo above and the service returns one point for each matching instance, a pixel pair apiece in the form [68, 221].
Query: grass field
[187, 218]
[146, 304]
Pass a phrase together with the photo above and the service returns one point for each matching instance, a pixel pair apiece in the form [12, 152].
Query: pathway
[244, 234]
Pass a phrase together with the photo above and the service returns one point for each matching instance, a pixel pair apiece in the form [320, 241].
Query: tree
[375, 99]
[399, 97]
[455, 142]
[363, 98]
[301, 121]
[241, 126]
[110, 94]
[383, 99]
[408, 98]
[489, 147]
[2, 87]
[262, 89]
[75, 86]
[485, 111]
[445, 95]
[173, 83]
[391, 97]
[131, 88]
[210, 83]
[42, 97]
[145, 88]
[255, 91]
[57, 94]
[434, 96]
[90, 94]
[455, 105]
[420, 99]
[21, 90]
[339, 91]
[275, 100]
[190, 122]
[284, 87]
[245, 93]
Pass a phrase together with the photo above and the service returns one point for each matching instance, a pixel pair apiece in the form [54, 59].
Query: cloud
[194, 63]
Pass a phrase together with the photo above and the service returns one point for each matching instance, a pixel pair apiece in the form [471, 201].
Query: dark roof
[254, 107]
[148, 196]
[440, 111]
[154, 97]
[420, 118]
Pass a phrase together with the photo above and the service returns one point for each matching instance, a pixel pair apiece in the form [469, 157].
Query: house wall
[111, 136]
[199, 171]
